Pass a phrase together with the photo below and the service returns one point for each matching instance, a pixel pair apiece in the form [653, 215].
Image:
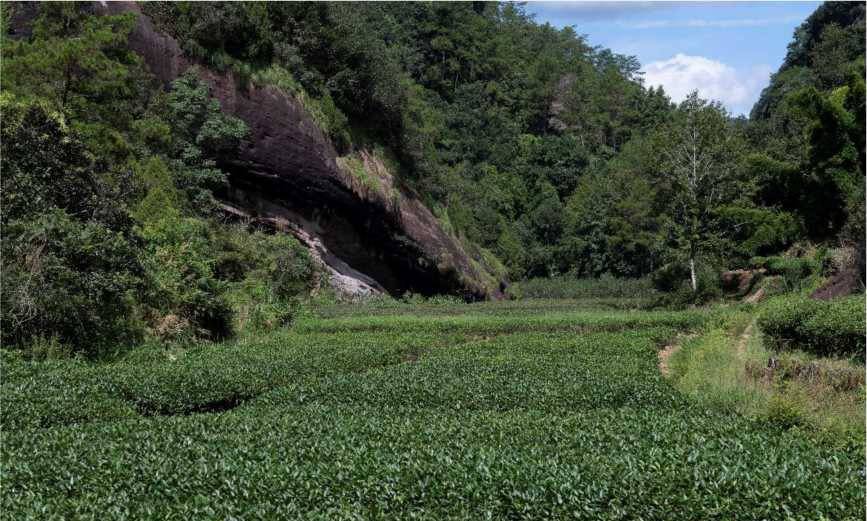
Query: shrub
[823, 328]
[783, 412]
[179, 260]
[680, 293]
[670, 277]
[69, 280]
[773, 285]
[255, 307]
[288, 265]
[566, 286]
[794, 270]
[265, 274]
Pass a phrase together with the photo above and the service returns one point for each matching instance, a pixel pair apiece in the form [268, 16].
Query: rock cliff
[288, 173]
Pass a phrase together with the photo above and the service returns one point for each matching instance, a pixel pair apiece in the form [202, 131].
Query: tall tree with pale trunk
[700, 151]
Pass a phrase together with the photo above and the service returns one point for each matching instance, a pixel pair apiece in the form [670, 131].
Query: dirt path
[666, 352]
[669, 350]
[744, 339]
[664, 355]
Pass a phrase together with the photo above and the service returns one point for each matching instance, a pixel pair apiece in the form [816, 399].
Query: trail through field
[664, 355]
[744, 339]
[672, 347]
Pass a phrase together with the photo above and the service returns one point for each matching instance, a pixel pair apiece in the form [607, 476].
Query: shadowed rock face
[845, 282]
[288, 169]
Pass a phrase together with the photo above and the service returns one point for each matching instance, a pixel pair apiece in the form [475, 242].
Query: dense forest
[523, 139]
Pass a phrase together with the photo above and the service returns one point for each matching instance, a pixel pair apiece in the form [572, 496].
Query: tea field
[521, 410]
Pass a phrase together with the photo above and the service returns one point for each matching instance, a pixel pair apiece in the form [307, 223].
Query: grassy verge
[731, 368]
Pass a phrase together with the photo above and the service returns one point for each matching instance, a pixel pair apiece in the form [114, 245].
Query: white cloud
[682, 74]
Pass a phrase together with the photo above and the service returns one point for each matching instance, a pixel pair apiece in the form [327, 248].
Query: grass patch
[726, 370]
[355, 167]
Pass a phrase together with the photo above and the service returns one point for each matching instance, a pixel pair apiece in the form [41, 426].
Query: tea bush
[485, 415]
[327, 462]
[823, 328]
[577, 321]
[568, 287]
[382, 306]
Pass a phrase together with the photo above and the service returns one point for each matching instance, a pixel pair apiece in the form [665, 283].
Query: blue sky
[726, 50]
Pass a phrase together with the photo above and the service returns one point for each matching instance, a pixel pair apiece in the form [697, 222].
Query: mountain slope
[288, 169]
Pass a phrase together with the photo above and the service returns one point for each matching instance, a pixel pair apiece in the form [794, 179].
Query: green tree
[611, 225]
[69, 254]
[831, 167]
[82, 65]
[700, 161]
[202, 134]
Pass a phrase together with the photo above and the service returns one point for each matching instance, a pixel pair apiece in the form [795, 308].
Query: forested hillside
[808, 127]
[532, 147]
[551, 152]
[495, 119]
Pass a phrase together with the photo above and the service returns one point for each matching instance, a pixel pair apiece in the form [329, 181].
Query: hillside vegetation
[541, 152]
[551, 152]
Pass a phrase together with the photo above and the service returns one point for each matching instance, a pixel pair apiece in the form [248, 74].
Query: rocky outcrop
[740, 282]
[288, 171]
[346, 280]
[557, 107]
[840, 284]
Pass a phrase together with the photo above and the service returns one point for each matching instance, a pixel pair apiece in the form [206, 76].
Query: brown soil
[839, 285]
[664, 355]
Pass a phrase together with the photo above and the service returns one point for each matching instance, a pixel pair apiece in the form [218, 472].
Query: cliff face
[287, 172]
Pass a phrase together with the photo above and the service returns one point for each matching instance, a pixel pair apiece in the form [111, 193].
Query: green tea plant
[570, 287]
[543, 415]
[832, 328]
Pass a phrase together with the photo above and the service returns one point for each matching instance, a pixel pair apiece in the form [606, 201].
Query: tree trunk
[692, 274]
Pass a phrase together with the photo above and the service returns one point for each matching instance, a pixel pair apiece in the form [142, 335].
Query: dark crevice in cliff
[360, 234]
